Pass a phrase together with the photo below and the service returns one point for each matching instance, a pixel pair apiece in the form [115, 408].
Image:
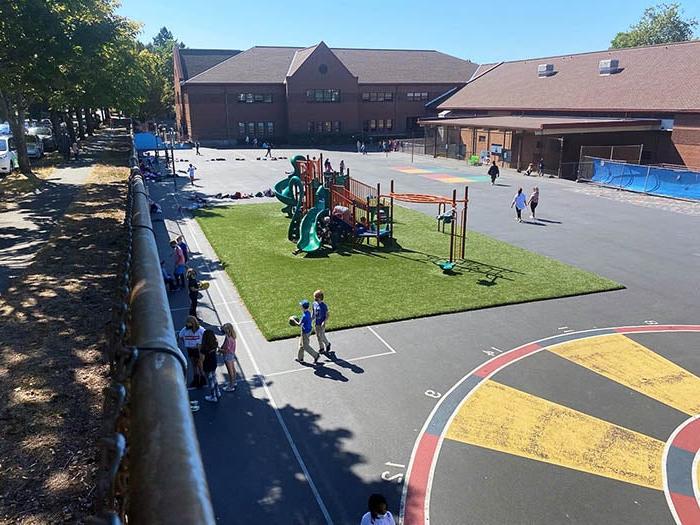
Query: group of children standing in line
[202, 347]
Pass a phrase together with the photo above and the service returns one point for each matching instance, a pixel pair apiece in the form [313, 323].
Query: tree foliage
[157, 59]
[660, 24]
[72, 54]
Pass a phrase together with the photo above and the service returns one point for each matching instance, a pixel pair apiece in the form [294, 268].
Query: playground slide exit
[309, 240]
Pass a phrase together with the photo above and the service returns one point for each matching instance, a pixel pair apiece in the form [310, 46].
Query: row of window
[377, 97]
[417, 96]
[330, 95]
[256, 129]
[325, 126]
[323, 95]
[378, 125]
[255, 98]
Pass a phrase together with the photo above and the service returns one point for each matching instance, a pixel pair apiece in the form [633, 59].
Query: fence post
[646, 179]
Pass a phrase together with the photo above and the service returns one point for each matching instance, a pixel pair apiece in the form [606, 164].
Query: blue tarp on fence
[147, 141]
[647, 179]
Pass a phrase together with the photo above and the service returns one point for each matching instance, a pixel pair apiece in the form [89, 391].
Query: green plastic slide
[309, 240]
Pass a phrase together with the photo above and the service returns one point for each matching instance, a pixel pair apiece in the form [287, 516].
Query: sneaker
[316, 358]
[229, 388]
[328, 348]
[194, 408]
[211, 399]
[301, 361]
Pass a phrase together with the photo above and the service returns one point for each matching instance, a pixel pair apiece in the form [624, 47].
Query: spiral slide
[309, 241]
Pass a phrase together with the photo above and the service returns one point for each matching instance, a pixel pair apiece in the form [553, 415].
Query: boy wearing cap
[305, 324]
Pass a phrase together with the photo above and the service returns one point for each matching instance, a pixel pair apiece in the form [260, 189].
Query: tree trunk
[15, 116]
[55, 123]
[69, 126]
[89, 123]
[81, 126]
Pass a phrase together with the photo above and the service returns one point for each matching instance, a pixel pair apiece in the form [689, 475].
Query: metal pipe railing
[167, 481]
[152, 467]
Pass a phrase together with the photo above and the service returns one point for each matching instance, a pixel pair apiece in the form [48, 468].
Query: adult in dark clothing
[540, 167]
[269, 150]
[493, 172]
[196, 148]
[193, 290]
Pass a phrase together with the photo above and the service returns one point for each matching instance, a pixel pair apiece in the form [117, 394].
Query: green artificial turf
[367, 285]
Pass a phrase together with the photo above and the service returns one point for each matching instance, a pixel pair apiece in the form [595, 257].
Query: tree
[158, 58]
[660, 24]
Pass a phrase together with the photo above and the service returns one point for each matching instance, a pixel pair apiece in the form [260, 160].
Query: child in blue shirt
[305, 324]
[320, 317]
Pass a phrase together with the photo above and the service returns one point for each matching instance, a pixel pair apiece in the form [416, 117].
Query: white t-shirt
[387, 519]
[191, 339]
[190, 171]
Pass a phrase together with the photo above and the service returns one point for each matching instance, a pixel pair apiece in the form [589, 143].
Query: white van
[8, 155]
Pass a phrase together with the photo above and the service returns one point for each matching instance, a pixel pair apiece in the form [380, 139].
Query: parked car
[46, 136]
[8, 155]
[35, 147]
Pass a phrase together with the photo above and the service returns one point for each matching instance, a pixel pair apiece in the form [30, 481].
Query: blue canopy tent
[148, 142]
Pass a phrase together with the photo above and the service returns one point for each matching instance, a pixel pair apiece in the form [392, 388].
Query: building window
[377, 97]
[270, 129]
[482, 138]
[261, 129]
[415, 96]
[389, 124]
[255, 98]
[380, 124]
[372, 125]
[323, 95]
[241, 129]
[326, 126]
[251, 129]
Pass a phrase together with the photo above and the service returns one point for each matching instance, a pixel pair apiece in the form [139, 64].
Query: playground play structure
[331, 208]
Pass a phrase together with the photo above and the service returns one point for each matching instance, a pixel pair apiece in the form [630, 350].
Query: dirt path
[52, 371]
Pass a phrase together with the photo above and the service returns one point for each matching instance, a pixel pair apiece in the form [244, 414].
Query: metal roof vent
[609, 67]
[545, 70]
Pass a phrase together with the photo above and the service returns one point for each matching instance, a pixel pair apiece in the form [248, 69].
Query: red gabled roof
[663, 78]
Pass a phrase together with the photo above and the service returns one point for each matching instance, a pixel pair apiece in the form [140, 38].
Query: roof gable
[664, 78]
[314, 58]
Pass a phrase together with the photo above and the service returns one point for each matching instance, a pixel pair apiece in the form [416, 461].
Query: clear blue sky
[479, 31]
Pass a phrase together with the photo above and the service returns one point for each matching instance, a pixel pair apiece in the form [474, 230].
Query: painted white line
[381, 339]
[268, 393]
[330, 361]
[696, 486]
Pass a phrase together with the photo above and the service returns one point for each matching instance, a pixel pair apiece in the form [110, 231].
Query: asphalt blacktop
[297, 444]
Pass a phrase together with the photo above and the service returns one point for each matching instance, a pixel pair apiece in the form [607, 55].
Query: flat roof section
[549, 125]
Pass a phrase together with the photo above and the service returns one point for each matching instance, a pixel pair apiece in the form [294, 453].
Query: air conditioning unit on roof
[609, 66]
[545, 70]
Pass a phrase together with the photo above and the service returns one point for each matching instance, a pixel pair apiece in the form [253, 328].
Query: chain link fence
[151, 470]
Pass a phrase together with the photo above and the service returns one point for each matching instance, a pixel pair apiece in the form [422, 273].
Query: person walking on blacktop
[342, 167]
[190, 171]
[359, 145]
[208, 350]
[533, 201]
[320, 316]
[378, 513]
[228, 349]
[520, 203]
[179, 266]
[540, 167]
[305, 324]
[193, 291]
[269, 150]
[494, 173]
[196, 148]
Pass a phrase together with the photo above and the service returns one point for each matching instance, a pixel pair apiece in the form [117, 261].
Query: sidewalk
[26, 221]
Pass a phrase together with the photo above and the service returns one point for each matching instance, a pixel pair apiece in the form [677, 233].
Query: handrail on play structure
[422, 198]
